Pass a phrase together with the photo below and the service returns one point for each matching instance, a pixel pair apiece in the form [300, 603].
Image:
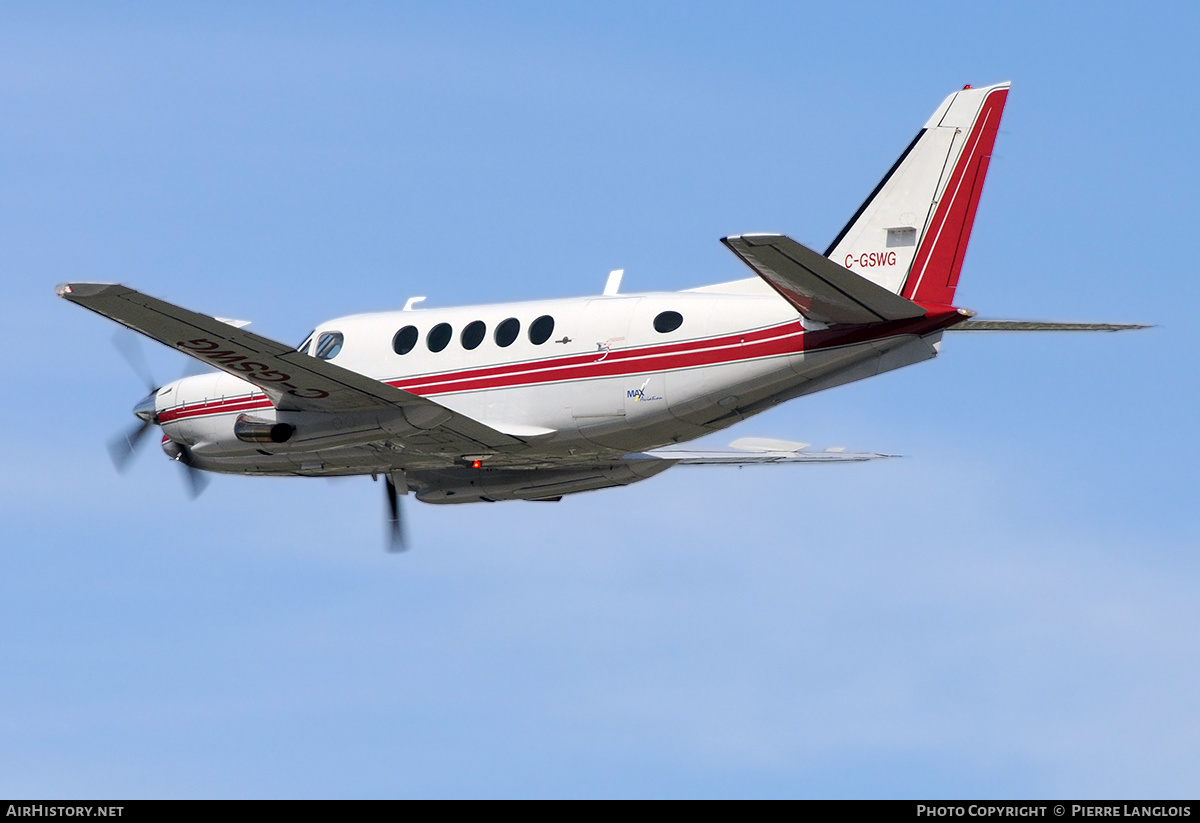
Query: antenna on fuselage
[412, 302]
[614, 282]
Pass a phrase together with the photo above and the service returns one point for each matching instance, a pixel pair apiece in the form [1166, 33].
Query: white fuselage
[603, 383]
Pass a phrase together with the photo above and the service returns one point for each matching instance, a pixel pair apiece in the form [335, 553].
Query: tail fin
[910, 236]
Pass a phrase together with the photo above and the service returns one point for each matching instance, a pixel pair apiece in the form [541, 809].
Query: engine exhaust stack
[252, 430]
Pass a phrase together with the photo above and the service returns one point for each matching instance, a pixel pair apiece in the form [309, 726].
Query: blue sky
[1008, 611]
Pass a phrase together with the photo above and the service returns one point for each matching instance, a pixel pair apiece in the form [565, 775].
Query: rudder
[911, 234]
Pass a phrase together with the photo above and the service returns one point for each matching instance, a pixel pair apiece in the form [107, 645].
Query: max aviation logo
[639, 395]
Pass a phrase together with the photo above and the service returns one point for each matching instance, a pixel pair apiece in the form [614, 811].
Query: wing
[819, 288]
[753, 450]
[293, 381]
[1036, 325]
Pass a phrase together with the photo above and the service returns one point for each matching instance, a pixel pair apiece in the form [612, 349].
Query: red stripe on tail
[934, 273]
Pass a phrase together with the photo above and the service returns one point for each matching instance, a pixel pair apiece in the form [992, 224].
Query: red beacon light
[966, 86]
[477, 464]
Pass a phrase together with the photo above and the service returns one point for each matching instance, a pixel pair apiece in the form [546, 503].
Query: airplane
[538, 400]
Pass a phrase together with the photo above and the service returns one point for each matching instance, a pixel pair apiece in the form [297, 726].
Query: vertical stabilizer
[910, 236]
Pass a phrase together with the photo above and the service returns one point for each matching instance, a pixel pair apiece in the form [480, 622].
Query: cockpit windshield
[303, 347]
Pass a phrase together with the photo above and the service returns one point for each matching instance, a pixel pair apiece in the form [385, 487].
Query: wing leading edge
[293, 381]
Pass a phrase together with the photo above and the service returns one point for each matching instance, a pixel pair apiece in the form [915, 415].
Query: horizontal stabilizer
[817, 287]
[1035, 325]
[753, 450]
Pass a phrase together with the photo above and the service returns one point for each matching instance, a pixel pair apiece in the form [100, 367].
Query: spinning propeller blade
[396, 537]
[122, 447]
[127, 344]
[197, 479]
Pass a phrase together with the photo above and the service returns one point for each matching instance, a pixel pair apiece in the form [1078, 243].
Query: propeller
[397, 541]
[127, 344]
[197, 479]
[124, 445]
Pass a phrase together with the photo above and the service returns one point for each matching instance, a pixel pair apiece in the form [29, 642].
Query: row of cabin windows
[473, 333]
[330, 343]
[505, 335]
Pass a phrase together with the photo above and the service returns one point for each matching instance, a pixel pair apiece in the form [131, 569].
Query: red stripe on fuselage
[599, 363]
[789, 338]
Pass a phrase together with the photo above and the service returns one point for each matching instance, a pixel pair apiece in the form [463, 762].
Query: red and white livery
[532, 401]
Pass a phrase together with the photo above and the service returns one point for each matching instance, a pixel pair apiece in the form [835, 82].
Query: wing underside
[1037, 325]
[750, 451]
[293, 381]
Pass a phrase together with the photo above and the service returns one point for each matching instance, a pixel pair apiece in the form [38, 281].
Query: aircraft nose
[145, 408]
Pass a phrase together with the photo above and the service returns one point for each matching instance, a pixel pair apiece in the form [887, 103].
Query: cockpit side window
[328, 345]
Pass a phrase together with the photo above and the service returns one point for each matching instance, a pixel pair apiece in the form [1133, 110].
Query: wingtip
[69, 290]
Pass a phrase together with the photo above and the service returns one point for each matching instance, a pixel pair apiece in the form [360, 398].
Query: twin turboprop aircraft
[533, 401]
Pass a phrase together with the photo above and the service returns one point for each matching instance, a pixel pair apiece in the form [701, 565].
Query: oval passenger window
[404, 340]
[439, 337]
[473, 334]
[668, 321]
[328, 345]
[541, 329]
[507, 332]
